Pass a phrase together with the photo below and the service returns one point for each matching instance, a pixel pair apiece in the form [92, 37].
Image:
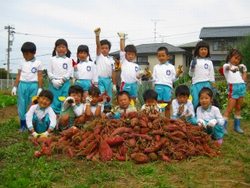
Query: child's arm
[88, 107]
[29, 117]
[192, 67]
[97, 40]
[14, 90]
[244, 69]
[40, 82]
[174, 109]
[52, 118]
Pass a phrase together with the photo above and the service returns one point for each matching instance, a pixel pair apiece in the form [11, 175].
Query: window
[215, 46]
[142, 59]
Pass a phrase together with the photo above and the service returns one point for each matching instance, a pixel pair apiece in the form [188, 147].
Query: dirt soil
[8, 112]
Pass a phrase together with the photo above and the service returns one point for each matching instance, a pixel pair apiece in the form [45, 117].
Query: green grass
[7, 100]
[20, 169]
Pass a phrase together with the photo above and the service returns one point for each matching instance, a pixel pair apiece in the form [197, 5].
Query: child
[41, 118]
[208, 115]
[94, 105]
[105, 67]
[85, 69]
[202, 71]
[72, 109]
[59, 72]
[164, 75]
[236, 87]
[150, 100]
[130, 70]
[123, 100]
[28, 81]
[182, 107]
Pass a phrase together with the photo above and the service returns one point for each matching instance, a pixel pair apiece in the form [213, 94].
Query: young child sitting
[182, 107]
[123, 100]
[72, 109]
[41, 119]
[94, 105]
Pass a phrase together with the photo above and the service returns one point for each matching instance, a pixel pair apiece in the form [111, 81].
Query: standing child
[208, 115]
[105, 67]
[41, 119]
[124, 107]
[164, 75]
[130, 70]
[72, 109]
[85, 69]
[182, 107]
[202, 71]
[59, 72]
[29, 80]
[94, 105]
[236, 87]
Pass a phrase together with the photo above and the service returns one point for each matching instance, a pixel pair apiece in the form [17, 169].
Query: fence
[6, 84]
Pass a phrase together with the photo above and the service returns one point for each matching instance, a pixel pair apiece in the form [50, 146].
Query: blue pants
[164, 92]
[25, 92]
[217, 132]
[131, 88]
[42, 126]
[195, 89]
[85, 84]
[61, 92]
[105, 85]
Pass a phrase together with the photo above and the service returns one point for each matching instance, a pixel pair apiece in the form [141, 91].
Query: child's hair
[105, 42]
[150, 94]
[209, 92]
[233, 52]
[123, 93]
[182, 90]
[83, 48]
[46, 93]
[201, 44]
[75, 89]
[162, 48]
[130, 48]
[94, 91]
[28, 47]
[63, 42]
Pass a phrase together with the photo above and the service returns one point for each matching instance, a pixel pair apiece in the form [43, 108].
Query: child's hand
[97, 31]
[74, 63]
[104, 100]
[121, 35]
[34, 134]
[114, 88]
[13, 92]
[212, 123]
[148, 73]
[179, 71]
[243, 67]
[194, 62]
[44, 135]
[201, 123]
[88, 99]
[39, 91]
[141, 73]
[234, 69]
[56, 83]
[70, 100]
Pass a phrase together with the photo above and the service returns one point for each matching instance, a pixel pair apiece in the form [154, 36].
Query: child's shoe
[219, 141]
[237, 125]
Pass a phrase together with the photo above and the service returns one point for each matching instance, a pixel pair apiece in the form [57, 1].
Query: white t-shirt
[104, 66]
[232, 77]
[86, 70]
[29, 70]
[188, 106]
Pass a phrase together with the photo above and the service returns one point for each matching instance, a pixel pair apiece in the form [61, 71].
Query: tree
[3, 73]
[244, 47]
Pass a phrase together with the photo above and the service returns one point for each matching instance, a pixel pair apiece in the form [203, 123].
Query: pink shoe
[219, 141]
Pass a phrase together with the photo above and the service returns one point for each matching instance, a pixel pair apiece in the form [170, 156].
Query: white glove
[212, 123]
[201, 123]
[88, 99]
[56, 83]
[97, 31]
[121, 35]
[13, 92]
[141, 73]
[234, 69]
[114, 88]
[103, 101]
[44, 135]
[39, 91]
[34, 134]
[243, 67]
[69, 100]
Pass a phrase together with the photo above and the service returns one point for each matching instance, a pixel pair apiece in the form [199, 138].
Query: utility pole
[11, 32]
[155, 22]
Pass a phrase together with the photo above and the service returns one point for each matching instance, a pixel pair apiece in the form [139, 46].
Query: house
[147, 55]
[221, 39]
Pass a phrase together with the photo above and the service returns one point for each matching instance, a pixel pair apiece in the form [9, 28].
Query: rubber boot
[23, 125]
[237, 125]
[224, 126]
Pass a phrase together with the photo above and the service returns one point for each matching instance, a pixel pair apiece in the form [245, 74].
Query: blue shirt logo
[206, 66]
[34, 70]
[65, 65]
[168, 72]
[88, 68]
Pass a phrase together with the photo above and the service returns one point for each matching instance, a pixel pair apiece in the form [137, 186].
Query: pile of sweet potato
[136, 137]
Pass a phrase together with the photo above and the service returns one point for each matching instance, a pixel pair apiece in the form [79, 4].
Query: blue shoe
[23, 125]
[237, 126]
[224, 126]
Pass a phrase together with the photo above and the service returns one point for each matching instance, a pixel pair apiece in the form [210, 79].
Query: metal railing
[6, 84]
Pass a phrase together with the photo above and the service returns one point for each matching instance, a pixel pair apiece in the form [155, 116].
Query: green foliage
[244, 47]
[185, 79]
[3, 73]
[7, 100]
[142, 88]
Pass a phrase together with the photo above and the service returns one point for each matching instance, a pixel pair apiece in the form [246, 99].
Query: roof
[152, 48]
[189, 45]
[223, 32]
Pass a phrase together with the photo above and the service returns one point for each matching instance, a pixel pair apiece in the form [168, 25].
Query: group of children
[95, 82]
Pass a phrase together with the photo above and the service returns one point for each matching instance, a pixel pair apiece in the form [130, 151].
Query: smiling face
[203, 51]
[43, 102]
[61, 50]
[123, 101]
[205, 100]
[162, 56]
[82, 56]
[77, 96]
[235, 60]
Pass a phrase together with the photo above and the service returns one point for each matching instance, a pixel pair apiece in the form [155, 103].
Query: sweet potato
[166, 158]
[70, 132]
[46, 151]
[116, 140]
[121, 130]
[145, 136]
[132, 115]
[131, 142]
[139, 157]
[37, 154]
[92, 154]
[144, 130]
[105, 151]
[153, 156]
[134, 121]
[142, 123]
[71, 152]
[90, 147]
[154, 148]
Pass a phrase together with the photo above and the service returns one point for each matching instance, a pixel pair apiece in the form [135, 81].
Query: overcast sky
[177, 22]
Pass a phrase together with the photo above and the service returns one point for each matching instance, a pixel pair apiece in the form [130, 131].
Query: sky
[144, 21]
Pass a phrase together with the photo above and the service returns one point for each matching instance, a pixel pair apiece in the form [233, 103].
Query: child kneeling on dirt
[41, 119]
[72, 109]
[124, 107]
